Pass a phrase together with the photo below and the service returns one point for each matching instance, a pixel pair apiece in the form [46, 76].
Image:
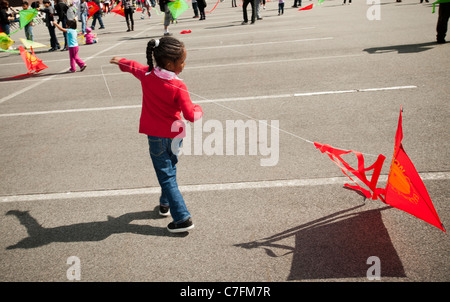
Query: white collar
[164, 74]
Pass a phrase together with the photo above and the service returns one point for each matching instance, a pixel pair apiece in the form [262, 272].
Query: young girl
[90, 37]
[165, 97]
[73, 44]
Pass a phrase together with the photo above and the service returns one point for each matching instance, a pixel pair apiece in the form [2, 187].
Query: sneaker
[167, 34]
[83, 68]
[164, 211]
[244, 22]
[181, 227]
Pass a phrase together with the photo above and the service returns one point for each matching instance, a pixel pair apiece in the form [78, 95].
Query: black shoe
[181, 227]
[52, 49]
[102, 27]
[244, 23]
[440, 41]
[164, 211]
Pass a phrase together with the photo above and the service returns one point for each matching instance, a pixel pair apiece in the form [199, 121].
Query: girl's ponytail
[150, 48]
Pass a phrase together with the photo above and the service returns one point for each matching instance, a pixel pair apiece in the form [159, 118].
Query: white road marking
[235, 99]
[266, 184]
[19, 92]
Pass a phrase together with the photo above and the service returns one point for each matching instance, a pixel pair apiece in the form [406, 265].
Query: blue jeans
[96, 16]
[83, 22]
[29, 32]
[163, 152]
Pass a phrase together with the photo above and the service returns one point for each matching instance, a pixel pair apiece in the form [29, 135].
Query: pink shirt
[165, 97]
[89, 38]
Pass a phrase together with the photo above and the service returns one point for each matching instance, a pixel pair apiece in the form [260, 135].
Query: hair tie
[156, 43]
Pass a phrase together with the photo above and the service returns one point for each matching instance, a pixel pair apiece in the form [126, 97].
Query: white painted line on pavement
[265, 184]
[261, 43]
[72, 77]
[19, 92]
[247, 98]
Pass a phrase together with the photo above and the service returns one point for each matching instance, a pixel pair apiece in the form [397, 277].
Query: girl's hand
[115, 60]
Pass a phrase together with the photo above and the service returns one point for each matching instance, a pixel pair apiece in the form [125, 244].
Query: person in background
[61, 9]
[195, 8]
[442, 23]
[97, 16]
[5, 17]
[49, 12]
[29, 27]
[90, 37]
[83, 15]
[73, 45]
[128, 9]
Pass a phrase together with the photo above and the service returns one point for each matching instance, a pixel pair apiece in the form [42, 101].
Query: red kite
[33, 63]
[92, 8]
[405, 189]
[360, 173]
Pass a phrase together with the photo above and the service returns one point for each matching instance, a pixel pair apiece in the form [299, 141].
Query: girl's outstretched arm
[115, 60]
[59, 27]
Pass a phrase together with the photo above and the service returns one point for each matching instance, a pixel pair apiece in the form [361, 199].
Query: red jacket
[162, 102]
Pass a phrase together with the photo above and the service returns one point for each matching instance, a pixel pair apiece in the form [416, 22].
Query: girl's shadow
[88, 231]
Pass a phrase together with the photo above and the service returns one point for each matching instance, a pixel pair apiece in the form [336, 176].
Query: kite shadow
[89, 231]
[407, 48]
[336, 246]
[234, 23]
[31, 75]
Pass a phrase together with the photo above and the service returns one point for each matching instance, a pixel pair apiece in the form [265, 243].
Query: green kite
[439, 1]
[177, 7]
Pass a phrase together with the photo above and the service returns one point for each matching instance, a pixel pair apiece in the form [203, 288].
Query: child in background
[29, 27]
[280, 7]
[90, 37]
[73, 44]
[165, 97]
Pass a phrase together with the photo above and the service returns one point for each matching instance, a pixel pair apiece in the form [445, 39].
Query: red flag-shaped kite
[118, 9]
[31, 61]
[360, 173]
[307, 7]
[92, 8]
[405, 189]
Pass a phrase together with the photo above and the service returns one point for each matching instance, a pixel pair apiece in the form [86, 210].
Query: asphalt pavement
[79, 196]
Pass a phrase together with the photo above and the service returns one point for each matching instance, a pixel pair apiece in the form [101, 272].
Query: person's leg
[164, 161]
[72, 59]
[442, 24]
[244, 10]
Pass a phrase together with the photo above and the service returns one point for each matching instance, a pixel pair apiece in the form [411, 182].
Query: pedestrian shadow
[89, 231]
[32, 75]
[139, 38]
[406, 48]
[335, 246]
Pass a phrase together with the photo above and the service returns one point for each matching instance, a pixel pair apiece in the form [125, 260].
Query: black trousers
[244, 8]
[129, 17]
[53, 40]
[442, 24]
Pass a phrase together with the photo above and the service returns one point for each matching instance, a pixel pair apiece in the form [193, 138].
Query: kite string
[106, 83]
[232, 110]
